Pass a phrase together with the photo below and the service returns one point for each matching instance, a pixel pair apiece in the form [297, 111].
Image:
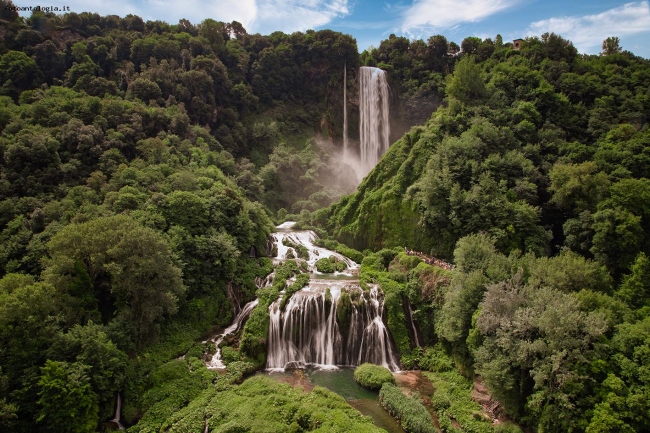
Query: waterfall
[374, 126]
[307, 332]
[332, 321]
[412, 321]
[346, 150]
[216, 362]
[118, 409]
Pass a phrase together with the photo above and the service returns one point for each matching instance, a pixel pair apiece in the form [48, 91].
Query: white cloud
[297, 15]
[435, 15]
[262, 16]
[588, 32]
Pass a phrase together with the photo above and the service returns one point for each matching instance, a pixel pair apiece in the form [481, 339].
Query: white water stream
[118, 410]
[374, 121]
[216, 362]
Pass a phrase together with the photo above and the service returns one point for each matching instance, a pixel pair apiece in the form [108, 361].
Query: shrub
[408, 410]
[452, 400]
[328, 265]
[373, 376]
[301, 281]
[348, 252]
[301, 251]
[230, 355]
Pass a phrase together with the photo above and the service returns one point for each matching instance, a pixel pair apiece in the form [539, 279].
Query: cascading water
[216, 362]
[374, 126]
[331, 321]
[284, 244]
[346, 150]
[413, 328]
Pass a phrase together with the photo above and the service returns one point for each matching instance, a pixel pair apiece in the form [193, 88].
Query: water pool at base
[342, 382]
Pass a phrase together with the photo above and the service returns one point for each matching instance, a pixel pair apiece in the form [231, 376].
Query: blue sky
[585, 22]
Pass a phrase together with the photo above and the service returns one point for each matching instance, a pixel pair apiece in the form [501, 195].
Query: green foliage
[413, 416]
[436, 360]
[18, 72]
[560, 350]
[171, 386]
[105, 364]
[301, 281]
[635, 287]
[466, 83]
[328, 265]
[262, 404]
[372, 376]
[67, 401]
[451, 399]
[348, 252]
[144, 283]
[255, 333]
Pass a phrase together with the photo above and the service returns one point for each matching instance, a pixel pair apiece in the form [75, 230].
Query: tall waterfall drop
[374, 116]
[346, 150]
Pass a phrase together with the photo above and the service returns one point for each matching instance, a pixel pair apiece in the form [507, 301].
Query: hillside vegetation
[540, 148]
[143, 166]
[533, 180]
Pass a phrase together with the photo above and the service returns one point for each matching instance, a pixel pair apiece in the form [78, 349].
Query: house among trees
[517, 43]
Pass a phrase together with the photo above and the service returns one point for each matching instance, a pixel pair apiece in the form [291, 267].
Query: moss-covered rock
[301, 281]
[373, 376]
[301, 251]
[329, 265]
[256, 330]
[344, 313]
[333, 245]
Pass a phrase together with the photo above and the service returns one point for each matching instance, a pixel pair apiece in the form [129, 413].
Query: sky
[584, 22]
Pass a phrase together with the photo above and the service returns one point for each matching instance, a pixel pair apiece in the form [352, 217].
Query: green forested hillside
[540, 148]
[532, 179]
[141, 163]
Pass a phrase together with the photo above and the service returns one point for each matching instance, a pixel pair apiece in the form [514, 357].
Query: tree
[67, 401]
[18, 72]
[144, 89]
[635, 287]
[611, 45]
[31, 162]
[129, 266]
[578, 187]
[89, 345]
[8, 10]
[536, 333]
[470, 45]
[466, 83]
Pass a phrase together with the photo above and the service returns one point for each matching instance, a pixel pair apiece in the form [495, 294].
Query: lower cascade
[329, 324]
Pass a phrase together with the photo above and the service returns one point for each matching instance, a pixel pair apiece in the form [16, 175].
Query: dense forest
[533, 179]
[143, 166]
